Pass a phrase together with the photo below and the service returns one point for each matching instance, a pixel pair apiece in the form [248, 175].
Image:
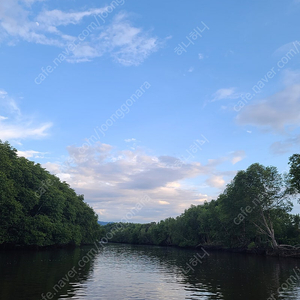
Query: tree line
[253, 212]
[36, 208]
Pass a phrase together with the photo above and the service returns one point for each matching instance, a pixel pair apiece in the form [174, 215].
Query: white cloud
[54, 18]
[15, 23]
[31, 153]
[226, 93]
[128, 45]
[285, 146]
[279, 113]
[113, 181]
[130, 140]
[54, 168]
[276, 112]
[125, 43]
[191, 69]
[15, 125]
[163, 202]
[290, 77]
[238, 156]
[216, 181]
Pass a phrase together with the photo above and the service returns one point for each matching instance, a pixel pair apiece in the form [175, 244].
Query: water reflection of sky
[141, 272]
[145, 272]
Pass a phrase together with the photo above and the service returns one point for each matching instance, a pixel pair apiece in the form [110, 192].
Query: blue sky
[99, 94]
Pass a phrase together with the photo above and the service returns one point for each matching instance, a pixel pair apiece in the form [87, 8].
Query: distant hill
[104, 223]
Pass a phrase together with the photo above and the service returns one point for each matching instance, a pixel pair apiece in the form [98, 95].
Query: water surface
[121, 271]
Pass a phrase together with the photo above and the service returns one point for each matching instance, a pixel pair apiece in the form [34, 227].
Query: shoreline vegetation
[252, 215]
[282, 253]
[38, 210]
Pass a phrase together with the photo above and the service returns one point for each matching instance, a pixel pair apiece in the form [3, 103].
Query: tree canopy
[294, 174]
[252, 212]
[36, 208]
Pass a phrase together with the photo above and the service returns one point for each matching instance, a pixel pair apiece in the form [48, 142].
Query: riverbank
[243, 250]
[258, 251]
[40, 248]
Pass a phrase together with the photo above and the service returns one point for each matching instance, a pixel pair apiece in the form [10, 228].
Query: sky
[159, 99]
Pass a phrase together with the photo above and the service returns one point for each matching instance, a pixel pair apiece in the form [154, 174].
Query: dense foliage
[36, 208]
[294, 174]
[252, 212]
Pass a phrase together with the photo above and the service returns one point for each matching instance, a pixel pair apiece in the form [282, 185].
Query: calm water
[144, 272]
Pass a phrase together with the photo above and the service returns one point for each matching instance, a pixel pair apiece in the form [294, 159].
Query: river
[119, 272]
